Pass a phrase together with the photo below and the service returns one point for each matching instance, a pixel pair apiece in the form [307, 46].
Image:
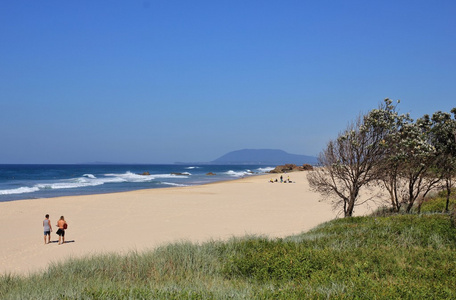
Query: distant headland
[260, 157]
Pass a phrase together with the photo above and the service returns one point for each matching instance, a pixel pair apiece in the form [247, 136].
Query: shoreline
[42, 182]
[129, 191]
[144, 219]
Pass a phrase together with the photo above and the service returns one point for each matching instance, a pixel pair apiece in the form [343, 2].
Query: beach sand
[142, 220]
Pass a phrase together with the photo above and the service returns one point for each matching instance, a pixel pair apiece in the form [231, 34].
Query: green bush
[437, 203]
[356, 258]
[277, 260]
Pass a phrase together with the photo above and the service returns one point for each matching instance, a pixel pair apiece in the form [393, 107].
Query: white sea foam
[88, 180]
[21, 190]
[132, 177]
[71, 183]
[128, 177]
[191, 168]
[238, 173]
[264, 170]
[62, 184]
[174, 184]
[248, 172]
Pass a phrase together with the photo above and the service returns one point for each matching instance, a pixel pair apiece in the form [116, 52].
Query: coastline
[23, 182]
[144, 219]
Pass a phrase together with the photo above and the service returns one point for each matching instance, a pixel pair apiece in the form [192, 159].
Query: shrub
[437, 203]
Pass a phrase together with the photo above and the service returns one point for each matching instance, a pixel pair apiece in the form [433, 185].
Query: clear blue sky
[165, 81]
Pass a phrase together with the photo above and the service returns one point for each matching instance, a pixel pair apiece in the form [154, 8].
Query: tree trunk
[418, 210]
[349, 211]
[409, 207]
[397, 205]
[351, 203]
[391, 186]
[411, 199]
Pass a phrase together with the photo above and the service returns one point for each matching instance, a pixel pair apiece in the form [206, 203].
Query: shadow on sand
[66, 242]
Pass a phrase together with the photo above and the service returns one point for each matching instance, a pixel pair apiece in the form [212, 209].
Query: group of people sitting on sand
[61, 224]
[281, 180]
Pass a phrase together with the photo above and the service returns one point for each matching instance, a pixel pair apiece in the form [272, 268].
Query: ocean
[19, 182]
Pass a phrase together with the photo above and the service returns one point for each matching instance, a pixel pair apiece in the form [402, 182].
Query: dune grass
[392, 257]
[437, 203]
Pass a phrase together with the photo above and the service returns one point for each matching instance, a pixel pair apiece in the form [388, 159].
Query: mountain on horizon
[264, 157]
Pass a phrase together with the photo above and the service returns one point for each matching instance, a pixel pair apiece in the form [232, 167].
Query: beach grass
[374, 257]
[437, 202]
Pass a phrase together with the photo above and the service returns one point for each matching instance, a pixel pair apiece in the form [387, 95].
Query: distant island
[261, 157]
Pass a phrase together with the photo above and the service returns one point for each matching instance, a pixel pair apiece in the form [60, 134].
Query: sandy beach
[145, 219]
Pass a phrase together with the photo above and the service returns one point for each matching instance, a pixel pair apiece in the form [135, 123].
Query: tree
[443, 138]
[407, 168]
[417, 161]
[410, 158]
[387, 120]
[349, 162]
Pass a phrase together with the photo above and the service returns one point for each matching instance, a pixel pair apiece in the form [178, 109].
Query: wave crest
[88, 180]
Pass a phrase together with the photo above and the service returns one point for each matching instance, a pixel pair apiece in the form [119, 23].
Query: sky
[165, 81]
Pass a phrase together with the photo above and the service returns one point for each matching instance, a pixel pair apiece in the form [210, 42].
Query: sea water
[45, 181]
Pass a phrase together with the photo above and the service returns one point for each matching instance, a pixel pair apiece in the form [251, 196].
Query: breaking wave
[88, 180]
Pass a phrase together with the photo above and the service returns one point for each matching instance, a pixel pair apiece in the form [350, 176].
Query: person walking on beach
[47, 229]
[62, 225]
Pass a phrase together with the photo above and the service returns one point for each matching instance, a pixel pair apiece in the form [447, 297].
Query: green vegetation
[438, 202]
[378, 257]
